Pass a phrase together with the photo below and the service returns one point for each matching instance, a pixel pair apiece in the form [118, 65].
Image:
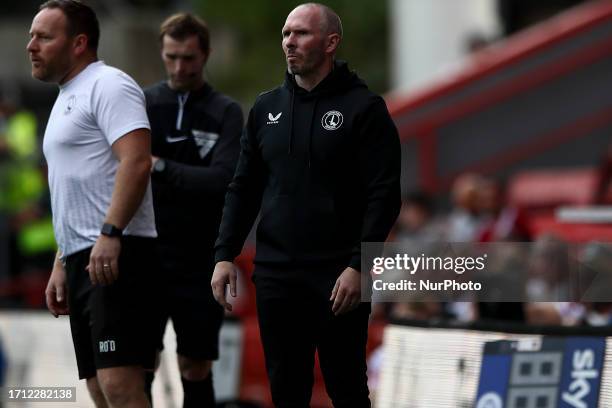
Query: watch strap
[110, 230]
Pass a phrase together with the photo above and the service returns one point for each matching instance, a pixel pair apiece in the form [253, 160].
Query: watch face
[110, 230]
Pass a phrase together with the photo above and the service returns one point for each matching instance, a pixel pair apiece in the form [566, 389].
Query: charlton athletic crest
[332, 120]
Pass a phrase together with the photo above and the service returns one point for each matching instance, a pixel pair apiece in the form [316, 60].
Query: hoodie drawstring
[314, 110]
[291, 121]
[310, 126]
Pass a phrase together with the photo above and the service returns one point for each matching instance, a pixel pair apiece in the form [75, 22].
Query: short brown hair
[81, 19]
[182, 25]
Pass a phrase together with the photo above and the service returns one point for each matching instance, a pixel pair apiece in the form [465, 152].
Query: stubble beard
[310, 64]
[190, 83]
[300, 69]
[55, 70]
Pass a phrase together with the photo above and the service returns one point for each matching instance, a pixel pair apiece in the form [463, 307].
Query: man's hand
[55, 293]
[224, 274]
[103, 265]
[346, 294]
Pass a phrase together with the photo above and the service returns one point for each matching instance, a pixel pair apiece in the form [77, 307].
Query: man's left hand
[103, 265]
[346, 294]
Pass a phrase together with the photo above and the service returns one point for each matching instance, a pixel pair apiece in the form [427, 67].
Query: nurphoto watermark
[487, 272]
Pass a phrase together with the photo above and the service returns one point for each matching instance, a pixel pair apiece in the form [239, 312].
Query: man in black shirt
[195, 145]
[321, 158]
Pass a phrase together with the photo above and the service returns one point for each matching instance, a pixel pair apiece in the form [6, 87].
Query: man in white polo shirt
[97, 146]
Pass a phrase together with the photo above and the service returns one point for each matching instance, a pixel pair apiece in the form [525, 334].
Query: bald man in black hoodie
[321, 158]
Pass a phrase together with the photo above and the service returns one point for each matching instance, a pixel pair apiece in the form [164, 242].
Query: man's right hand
[224, 274]
[56, 291]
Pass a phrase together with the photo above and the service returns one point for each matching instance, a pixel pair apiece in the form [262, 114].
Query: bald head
[311, 35]
[329, 21]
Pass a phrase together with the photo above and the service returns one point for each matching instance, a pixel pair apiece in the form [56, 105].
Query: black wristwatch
[159, 166]
[111, 231]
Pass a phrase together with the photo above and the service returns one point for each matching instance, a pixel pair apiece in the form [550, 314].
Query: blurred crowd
[546, 264]
[27, 245]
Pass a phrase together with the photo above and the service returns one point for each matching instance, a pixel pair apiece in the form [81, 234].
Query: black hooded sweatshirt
[324, 168]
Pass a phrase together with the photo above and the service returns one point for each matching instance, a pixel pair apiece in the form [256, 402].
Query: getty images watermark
[411, 264]
[547, 270]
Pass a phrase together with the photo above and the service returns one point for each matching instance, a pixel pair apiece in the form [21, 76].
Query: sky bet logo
[583, 363]
[554, 372]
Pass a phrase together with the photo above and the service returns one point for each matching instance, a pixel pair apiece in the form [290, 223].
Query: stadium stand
[534, 110]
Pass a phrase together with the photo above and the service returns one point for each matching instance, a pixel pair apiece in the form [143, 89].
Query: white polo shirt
[93, 110]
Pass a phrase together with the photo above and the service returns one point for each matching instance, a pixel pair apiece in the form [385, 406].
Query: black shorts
[186, 298]
[112, 325]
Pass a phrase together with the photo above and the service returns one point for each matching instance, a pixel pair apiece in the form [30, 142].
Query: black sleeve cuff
[355, 263]
[224, 254]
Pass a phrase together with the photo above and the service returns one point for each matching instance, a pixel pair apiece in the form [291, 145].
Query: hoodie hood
[339, 79]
